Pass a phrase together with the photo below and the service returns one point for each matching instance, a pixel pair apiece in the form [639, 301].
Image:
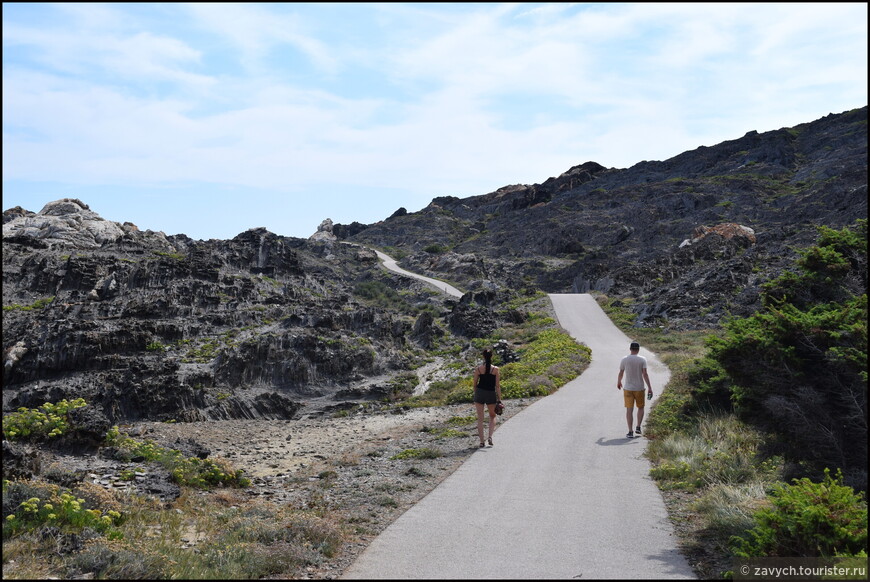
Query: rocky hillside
[686, 240]
[149, 326]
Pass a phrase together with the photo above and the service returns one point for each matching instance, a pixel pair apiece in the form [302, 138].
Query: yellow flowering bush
[45, 422]
[61, 509]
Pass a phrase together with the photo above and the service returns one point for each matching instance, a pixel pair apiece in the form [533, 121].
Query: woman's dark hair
[487, 356]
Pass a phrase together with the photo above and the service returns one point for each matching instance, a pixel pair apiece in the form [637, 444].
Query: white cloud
[421, 100]
[256, 31]
[145, 55]
[134, 58]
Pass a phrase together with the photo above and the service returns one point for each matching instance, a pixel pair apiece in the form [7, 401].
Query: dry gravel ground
[343, 466]
[340, 464]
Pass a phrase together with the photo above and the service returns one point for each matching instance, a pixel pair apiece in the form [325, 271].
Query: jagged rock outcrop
[20, 461]
[727, 231]
[69, 222]
[145, 326]
[324, 232]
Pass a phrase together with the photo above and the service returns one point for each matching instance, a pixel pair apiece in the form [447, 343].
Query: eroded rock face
[148, 326]
[145, 326]
[20, 461]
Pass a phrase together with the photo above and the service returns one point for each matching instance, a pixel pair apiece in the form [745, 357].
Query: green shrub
[192, 471]
[676, 475]
[207, 473]
[203, 353]
[808, 519]
[798, 367]
[38, 304]
[36, 424]
[402, 386]
[156, 346]
[382, 295]
[674, 408]
[711, 385]
[437, 393]
[58, 509]
[176, 256]
[435, 249]
[461, 420]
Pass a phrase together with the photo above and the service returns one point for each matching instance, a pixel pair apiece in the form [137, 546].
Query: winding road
[563, 494]
[390, 264]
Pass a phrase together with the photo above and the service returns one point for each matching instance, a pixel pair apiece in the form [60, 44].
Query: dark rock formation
[148, 326]
[624, 231]
[20, 461]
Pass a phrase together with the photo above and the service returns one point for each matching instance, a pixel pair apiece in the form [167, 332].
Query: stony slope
[148, 326]
[629, 232]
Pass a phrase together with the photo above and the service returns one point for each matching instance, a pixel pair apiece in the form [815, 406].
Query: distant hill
[625, 231]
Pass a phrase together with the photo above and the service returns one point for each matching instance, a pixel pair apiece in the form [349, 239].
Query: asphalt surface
[390, 264]
[563, 494]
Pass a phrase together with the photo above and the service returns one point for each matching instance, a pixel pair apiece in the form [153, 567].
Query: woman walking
[487, 390]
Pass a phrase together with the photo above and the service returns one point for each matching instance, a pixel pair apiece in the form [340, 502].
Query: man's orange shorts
[634, 398]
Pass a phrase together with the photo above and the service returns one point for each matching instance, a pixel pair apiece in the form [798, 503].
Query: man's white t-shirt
[634, 367]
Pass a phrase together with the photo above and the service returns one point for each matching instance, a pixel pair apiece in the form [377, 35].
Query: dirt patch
[272, 448]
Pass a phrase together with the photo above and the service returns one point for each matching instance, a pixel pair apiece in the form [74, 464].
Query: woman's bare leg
[479, 407]
[492, 419]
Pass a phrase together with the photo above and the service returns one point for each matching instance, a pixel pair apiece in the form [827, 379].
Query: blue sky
[210, 119]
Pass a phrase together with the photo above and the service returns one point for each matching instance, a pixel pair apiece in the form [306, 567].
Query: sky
[211, 119]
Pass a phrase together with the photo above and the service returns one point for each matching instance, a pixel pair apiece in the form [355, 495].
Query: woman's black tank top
[486, 381]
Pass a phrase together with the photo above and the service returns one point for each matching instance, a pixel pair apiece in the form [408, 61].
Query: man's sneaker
[630, 435]
[637, 430]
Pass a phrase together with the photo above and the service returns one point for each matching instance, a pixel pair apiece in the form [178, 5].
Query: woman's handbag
[499, 407]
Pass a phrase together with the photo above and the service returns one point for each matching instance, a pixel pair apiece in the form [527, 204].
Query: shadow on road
[616, 442]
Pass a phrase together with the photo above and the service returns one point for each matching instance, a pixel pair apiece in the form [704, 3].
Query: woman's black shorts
[485, 396]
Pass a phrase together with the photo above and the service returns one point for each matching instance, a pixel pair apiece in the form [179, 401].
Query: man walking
[633, 367]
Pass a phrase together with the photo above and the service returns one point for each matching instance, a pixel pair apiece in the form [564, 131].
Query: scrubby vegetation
[190, 471]
[36, 424]
[759, 414]
[38, 304]
[797, 369]
[422, 453]
[74, 536]
[84, 529]
[808, 519]
[28, 507]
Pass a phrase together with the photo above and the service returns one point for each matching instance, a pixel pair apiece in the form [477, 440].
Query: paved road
[390, 263]
[563, 493]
